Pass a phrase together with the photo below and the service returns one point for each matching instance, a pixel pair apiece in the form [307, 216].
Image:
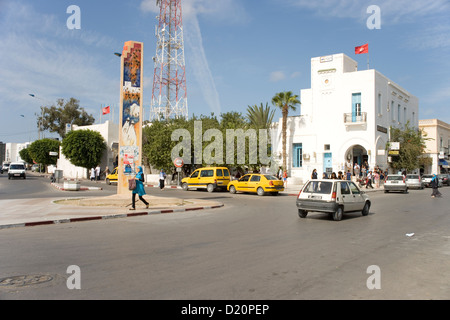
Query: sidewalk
[65, 207]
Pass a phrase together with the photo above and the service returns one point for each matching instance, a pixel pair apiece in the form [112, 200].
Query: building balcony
[355, 120]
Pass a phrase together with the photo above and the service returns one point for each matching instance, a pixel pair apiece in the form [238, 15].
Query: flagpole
[101, 111]
[368, 65]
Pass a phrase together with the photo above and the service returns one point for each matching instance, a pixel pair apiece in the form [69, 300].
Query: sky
[238, 52]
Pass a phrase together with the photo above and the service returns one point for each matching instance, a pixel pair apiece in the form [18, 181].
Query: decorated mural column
[131, 113]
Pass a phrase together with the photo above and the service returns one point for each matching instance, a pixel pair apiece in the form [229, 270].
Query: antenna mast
[169, 95]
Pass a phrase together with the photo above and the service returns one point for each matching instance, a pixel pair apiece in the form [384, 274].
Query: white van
[17, 170]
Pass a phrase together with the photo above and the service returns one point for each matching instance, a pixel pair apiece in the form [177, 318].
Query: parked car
[395, 182]
[335, 197]
[113, 176]
[17, 170]
[256, 183]
[426, 178]
[5, 167]
[209, 178]
[34, 167]
[445, 178]
[414, 181]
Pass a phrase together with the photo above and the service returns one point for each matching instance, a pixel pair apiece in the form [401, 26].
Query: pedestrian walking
[435, 185]
[349, 175]
[97, 173]
[139, 190]
[162, 178]
[357, 169]
[377, 179]
[369, 180]
[314, 174]
[107, 172]
[92, 174]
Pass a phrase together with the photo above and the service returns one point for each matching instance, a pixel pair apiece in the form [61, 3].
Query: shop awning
[443, 162]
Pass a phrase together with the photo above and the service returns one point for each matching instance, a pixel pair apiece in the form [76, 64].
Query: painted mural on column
[130, 135]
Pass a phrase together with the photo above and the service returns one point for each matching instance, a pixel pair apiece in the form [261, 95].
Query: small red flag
[105, 110]
[362, 49]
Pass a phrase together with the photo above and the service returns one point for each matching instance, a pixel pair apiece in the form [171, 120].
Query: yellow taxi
[112, 177]
[209, 178]
[256, 183]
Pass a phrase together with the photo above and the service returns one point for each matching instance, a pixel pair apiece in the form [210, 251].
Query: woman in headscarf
[435, 186]
[139, 190]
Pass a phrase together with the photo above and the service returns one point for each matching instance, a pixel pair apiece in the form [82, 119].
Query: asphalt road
[252, 248]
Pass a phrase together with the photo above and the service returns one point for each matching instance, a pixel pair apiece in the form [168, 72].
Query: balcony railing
[352, 118]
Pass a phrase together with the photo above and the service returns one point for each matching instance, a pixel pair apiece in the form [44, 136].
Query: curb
[114, 216]
[81, 188]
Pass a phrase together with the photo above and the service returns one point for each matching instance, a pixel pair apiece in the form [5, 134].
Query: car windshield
[270, 177]
[412, 176]
[395, 178]
[17, 166]
[427, 176]
[323, 187]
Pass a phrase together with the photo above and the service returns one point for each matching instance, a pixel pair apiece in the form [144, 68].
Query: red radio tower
[169, 96]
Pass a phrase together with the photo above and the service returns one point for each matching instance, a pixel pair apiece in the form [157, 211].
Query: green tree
[412, 147]
[157, 145]
[40, 150]
[260, 117]
[285, 101]
[83, 148]
[55, 118]
[25, 155]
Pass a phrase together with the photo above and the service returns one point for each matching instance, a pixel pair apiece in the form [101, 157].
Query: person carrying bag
[139, 189]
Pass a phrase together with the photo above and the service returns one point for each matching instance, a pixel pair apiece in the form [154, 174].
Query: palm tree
[285, 101]
[260, 117]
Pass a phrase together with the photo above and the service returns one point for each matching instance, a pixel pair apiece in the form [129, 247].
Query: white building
[110, 132]
[345, 118]
[12, 151]
[437, 144]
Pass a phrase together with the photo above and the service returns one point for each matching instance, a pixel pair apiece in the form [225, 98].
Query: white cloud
[276, 76]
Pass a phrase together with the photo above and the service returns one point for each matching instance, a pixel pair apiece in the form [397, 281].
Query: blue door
[327, 163]
[356, 106]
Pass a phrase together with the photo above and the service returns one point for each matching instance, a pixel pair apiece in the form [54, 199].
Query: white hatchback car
[332, 196]
[395, 182]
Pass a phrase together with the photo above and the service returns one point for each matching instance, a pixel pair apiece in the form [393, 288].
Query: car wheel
[260, 191]
[386, 191]
[302, 213]
[210, 188]
[365, 210]
[184, 186]
[337, 215]
[405, 191]
[232, 189]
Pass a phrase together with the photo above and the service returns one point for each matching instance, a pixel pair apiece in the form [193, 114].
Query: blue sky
[238, 52]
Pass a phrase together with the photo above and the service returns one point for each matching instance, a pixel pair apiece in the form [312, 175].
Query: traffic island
[39, 212]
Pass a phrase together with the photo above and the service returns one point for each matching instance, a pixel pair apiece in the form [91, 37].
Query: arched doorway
[356, 154]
